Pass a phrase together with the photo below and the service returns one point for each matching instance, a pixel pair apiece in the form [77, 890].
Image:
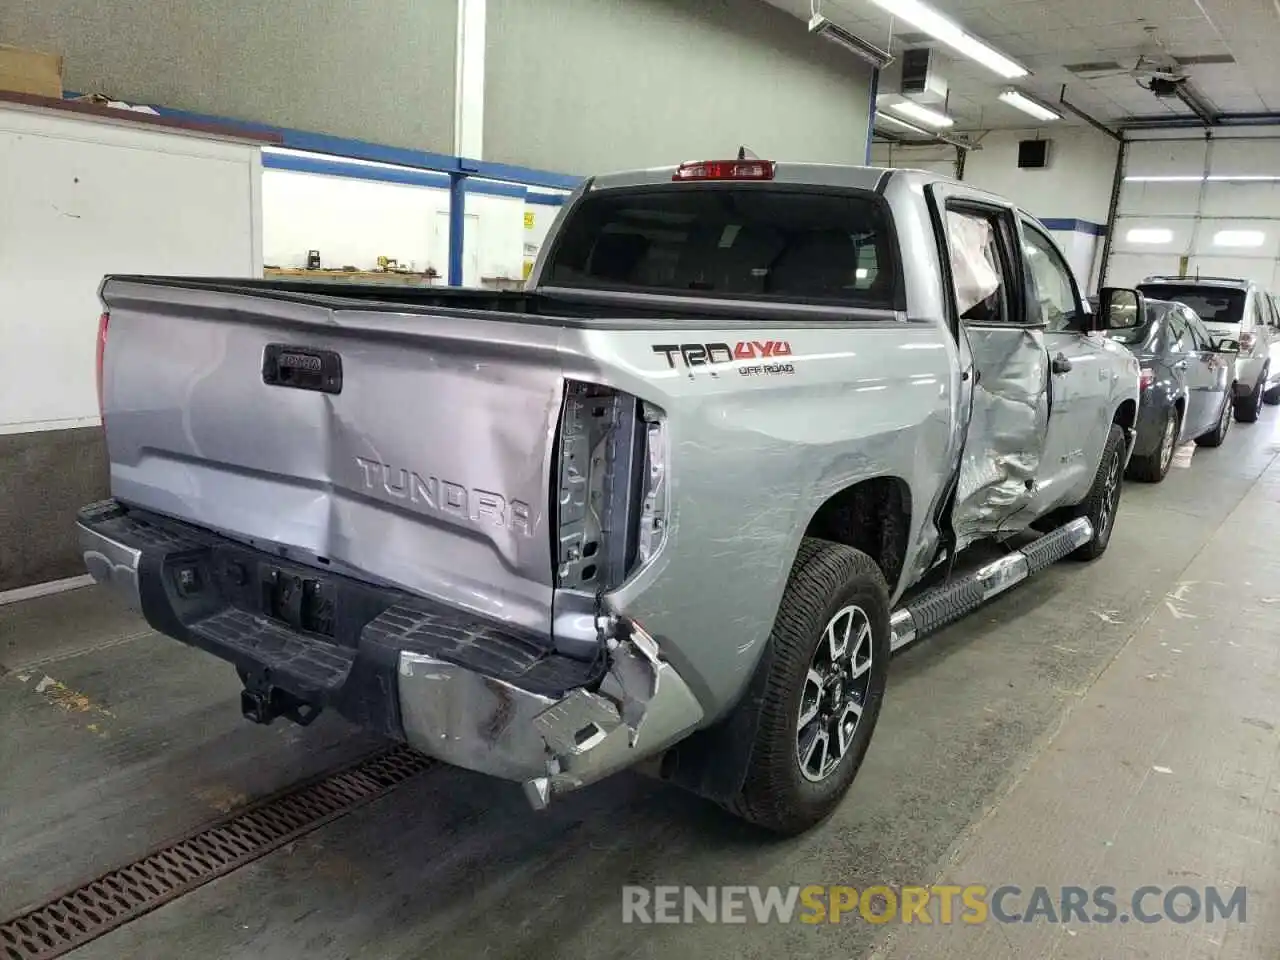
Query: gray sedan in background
[1186, 384]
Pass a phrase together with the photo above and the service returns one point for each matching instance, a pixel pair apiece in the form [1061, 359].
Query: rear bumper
[1248, 373]
[471, 692]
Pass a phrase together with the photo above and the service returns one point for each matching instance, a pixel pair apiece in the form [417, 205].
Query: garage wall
[80, 199]
[1075, 185]
[585, 86]
[1188, 205]
[1071, 195]
[379, 70]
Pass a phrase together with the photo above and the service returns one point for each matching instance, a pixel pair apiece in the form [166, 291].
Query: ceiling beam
[1090, 120]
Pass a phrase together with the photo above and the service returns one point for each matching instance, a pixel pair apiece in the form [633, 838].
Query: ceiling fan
[1155, 67]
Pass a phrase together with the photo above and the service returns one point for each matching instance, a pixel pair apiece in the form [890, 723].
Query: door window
[1199, 335]
[978, 277]
[1179, 337]
[1054, 299]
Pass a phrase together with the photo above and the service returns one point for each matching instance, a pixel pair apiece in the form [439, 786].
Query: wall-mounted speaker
[1033, 154]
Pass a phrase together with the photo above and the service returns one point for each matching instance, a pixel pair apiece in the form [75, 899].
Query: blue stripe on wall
[381, 153]
[416, 178]
[1074, 225]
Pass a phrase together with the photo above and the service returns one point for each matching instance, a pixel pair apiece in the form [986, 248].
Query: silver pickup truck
[675, 502]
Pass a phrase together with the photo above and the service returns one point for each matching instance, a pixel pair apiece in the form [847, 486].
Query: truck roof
[845, 176]
[1236, 283]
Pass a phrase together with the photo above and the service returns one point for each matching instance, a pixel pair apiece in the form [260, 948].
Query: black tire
[1103, 501]
[826, 579]
[1249, 406]
[1215, 436]
[1272, 397]
[1155, 466]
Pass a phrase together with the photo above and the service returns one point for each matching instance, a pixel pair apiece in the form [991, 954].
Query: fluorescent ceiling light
[926, 116]
[1024, 103]
[1239, 238]
[1153, 235]
[925, 18]
[850, 41]
[1213, 178]
[898, 122]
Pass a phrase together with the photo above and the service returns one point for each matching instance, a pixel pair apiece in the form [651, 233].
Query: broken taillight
[1146, 378]
[102, 349]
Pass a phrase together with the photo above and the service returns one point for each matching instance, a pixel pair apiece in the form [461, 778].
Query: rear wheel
[1272, 397]
[1153, 467]
[1104, 497]
[1249, 406]
[1215, 436]
[826, 681]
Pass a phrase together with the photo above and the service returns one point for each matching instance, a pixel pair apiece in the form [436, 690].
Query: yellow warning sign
[528, 220]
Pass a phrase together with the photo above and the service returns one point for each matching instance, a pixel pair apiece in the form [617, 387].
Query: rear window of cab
[761, 242]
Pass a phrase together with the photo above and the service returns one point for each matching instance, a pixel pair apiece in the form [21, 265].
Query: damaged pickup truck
[675, 502]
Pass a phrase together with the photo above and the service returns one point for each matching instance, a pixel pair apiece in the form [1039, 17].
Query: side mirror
[1119, 308]
[1226, 345]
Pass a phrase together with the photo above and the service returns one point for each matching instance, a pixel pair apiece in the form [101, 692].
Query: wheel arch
[872, 515]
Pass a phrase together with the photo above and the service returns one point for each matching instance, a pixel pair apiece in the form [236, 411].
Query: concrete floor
[1085, 729]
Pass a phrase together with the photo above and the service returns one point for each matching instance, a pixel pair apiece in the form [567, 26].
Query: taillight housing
[1146, 378]
[610, 507]
[103, 322]
[1246, 342]
[725, 170]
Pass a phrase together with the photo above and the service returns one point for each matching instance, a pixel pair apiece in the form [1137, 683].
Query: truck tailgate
[406, 449]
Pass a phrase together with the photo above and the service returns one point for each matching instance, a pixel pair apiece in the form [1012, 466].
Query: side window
[977, 269]
[1256, 314]
[1179, 338]
[1199, 335]
[1053, 290]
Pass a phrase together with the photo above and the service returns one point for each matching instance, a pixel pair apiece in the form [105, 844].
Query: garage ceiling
[1230, 49]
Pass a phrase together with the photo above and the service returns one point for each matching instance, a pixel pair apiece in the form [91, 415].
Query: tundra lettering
[452, 498]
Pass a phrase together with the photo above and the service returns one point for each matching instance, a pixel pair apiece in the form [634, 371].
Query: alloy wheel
[834, 693]
[1167, 442]
[1110, 498]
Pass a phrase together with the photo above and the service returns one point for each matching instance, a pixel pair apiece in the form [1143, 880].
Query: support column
[457, 225]
[468, 122]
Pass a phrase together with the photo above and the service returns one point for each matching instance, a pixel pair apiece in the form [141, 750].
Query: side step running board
[934, 609]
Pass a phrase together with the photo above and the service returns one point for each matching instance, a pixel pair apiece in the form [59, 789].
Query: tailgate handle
[302, 368]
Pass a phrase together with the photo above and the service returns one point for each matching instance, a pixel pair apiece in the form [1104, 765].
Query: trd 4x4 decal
[744, 353]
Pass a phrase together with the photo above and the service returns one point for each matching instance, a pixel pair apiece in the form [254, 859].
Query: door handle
[1060, 364]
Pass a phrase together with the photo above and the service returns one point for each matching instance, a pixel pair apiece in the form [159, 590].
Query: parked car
[1186, 384]
[674, 500]
[1240, 310]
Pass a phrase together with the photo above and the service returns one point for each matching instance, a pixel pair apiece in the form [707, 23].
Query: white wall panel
[1128, 269]
[1241, 199]
[83, 198]
[1164, 159]
[1158, 198]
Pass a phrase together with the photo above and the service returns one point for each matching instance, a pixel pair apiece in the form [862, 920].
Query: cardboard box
[29, 71]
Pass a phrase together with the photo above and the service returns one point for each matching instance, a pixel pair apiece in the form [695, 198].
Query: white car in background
[1239, 310]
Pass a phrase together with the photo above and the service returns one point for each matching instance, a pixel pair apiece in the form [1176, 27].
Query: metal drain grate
[77, 916]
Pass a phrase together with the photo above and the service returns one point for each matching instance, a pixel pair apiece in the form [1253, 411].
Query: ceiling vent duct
[920, 79]
[869, 52]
